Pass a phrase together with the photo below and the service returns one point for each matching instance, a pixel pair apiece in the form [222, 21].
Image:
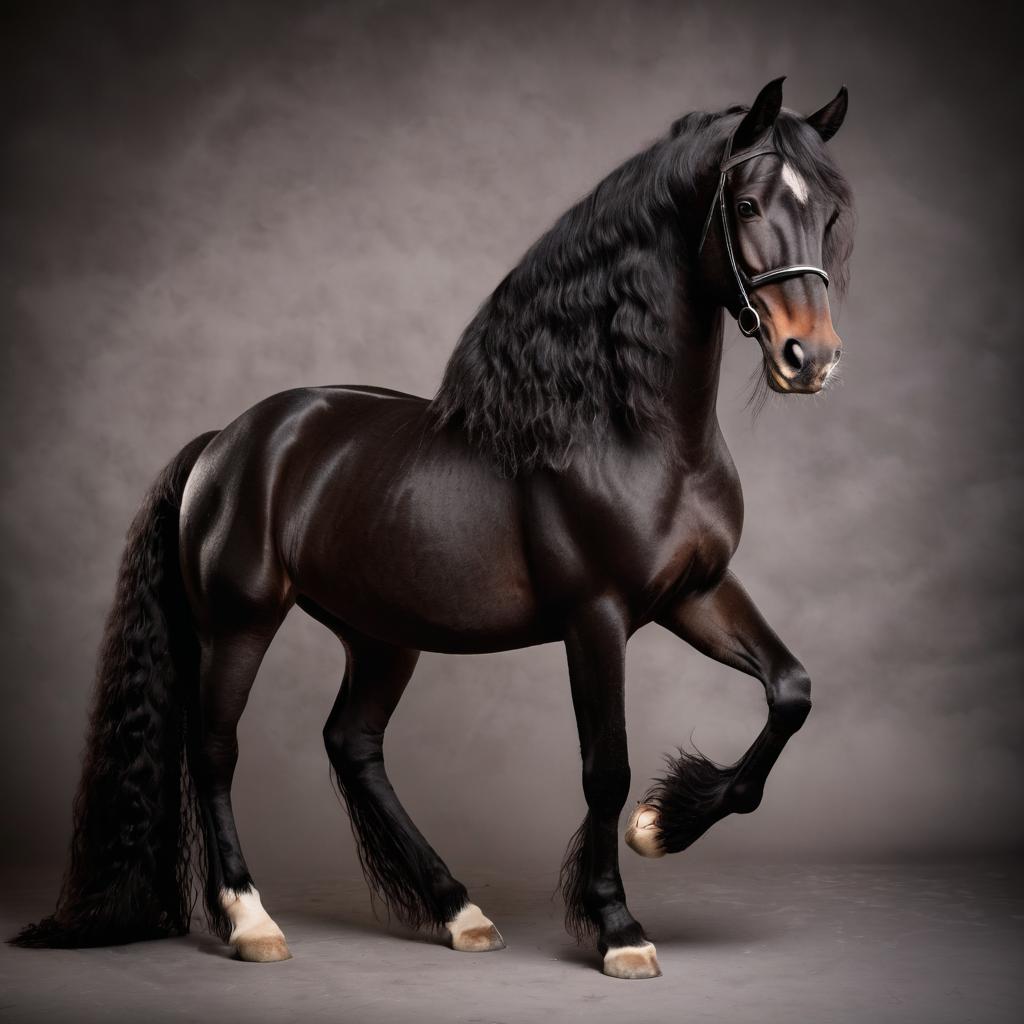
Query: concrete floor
[838, 943]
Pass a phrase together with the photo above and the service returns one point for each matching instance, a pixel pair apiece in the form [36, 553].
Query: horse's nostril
[793, 353]
[838, 355]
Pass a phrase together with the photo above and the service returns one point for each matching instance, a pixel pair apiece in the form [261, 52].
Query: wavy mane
[575, 339]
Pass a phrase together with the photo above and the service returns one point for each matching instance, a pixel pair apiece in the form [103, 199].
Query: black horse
[569, 482]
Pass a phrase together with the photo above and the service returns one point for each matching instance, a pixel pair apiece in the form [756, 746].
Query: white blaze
[797, 184]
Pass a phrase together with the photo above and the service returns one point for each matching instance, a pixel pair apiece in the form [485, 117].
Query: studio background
[206, 204]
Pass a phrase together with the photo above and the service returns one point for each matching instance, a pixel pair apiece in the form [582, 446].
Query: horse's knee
[744, 797]
[349, 751]
[606, 786]
[790, 701]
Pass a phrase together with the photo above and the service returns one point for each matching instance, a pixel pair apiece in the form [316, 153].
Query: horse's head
[777, 230]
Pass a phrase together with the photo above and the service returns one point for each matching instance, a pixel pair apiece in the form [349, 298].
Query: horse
[568, 483]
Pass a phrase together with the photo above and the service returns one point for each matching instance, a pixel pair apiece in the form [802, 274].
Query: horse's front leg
[595, 900]
[724, 624]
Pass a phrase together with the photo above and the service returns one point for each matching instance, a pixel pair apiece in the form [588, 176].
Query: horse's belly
[456, 591]
[431, 558]
[459, 614]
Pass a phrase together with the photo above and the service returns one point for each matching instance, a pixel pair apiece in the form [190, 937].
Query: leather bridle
[747, 319]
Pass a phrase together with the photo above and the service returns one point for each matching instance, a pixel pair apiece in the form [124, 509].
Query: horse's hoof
[267, 949]
[255, 936]
[472, 932]
[642, 832]
[632, 962]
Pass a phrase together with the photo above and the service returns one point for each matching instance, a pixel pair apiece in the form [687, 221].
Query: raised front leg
[595, 899]
[724, 624]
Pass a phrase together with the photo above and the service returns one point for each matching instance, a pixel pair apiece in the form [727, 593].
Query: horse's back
[348, 498]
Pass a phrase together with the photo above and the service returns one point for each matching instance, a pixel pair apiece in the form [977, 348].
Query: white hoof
[471, 932]
[632, 962]
[642, 832]
[254, 935]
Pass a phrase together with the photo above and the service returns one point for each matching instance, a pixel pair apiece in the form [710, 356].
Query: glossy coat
[397, 528]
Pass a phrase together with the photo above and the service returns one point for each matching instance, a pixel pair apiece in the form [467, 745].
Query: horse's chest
[705, 536]
[643, 541]
[686, 545]
[644, 530]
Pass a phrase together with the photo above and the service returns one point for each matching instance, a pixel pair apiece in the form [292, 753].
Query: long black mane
[576, 338]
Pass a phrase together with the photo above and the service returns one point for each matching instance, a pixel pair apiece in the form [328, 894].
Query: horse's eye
[745, 208]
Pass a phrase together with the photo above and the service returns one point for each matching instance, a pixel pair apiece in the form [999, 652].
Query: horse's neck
[693, 392]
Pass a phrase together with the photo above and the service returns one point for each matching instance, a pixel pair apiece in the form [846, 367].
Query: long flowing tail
[129, 875]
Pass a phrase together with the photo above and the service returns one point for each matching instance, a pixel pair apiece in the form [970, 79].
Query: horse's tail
[135, 820]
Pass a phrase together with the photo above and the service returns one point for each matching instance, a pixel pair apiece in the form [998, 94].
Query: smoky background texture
[204, 204]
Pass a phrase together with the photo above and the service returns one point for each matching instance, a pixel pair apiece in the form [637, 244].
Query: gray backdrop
[211, 203]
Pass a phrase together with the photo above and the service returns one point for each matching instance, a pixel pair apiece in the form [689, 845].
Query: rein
[747, 319]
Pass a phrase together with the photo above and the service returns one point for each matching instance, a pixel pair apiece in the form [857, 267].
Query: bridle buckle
[748, 321]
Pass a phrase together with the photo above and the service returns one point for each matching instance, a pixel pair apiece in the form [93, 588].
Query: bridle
[747, 319]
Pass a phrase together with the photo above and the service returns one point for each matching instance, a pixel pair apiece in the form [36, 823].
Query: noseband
[747, 319]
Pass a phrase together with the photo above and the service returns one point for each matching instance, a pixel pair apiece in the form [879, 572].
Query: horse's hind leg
[399, 864]
[228, 666]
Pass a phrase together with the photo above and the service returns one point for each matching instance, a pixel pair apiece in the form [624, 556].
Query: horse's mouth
[782, 386]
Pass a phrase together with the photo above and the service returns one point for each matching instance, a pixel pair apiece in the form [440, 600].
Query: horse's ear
[827, 121]
[760, 117]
